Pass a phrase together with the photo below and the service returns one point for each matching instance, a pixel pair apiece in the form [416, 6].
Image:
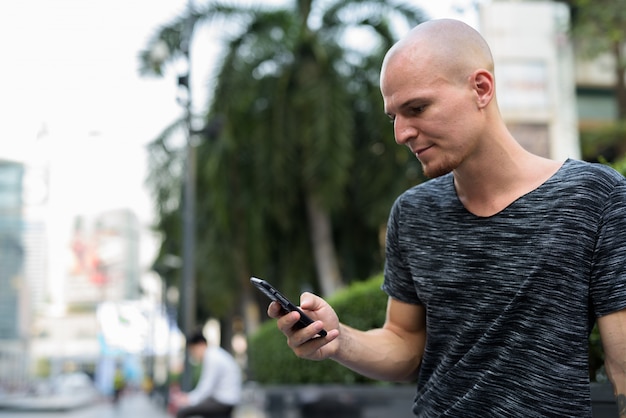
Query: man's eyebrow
[409, 103]
[414, 101]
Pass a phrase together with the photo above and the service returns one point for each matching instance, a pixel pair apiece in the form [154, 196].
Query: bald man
[497, 267]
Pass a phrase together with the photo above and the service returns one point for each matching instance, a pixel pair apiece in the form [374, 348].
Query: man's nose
[403, 131]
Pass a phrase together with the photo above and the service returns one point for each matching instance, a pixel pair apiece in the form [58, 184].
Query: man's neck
[487, 187]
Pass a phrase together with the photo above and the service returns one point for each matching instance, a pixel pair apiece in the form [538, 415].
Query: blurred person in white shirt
[219, 388]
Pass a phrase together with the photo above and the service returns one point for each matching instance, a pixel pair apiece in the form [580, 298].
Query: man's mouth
[419, 151]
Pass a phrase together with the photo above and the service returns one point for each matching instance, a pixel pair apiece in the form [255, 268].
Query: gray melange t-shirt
[510, 298]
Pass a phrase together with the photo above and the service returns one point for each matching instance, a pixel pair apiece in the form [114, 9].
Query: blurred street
[131, 405]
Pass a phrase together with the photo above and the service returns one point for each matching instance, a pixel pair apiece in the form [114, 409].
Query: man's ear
[483, 83]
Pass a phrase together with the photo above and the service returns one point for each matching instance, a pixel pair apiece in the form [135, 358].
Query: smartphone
[272, 293]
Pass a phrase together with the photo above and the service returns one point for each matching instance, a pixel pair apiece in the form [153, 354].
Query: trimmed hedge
[362, 305]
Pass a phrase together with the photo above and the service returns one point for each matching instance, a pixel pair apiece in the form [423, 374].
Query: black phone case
[273, 293]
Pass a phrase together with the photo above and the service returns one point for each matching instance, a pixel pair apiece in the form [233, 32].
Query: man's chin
[432, 171]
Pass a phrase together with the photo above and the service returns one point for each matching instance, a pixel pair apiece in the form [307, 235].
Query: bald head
[451, 47]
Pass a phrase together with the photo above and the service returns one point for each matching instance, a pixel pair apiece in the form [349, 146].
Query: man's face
[433, 113]
[196, 352]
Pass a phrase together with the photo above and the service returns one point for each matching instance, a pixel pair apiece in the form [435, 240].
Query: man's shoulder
[592, 175]
[434, 187]
[218, 352]
[429, 192]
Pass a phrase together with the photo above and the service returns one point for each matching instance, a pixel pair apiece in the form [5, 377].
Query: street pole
[188, 290]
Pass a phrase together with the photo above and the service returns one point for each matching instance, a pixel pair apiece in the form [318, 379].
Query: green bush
[620, 165]
[604, 143]
[362, 306]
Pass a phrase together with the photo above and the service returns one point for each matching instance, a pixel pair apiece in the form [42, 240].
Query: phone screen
[273, 293]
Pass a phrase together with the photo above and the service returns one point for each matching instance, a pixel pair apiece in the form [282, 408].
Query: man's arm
[393, 352]
[613, 334]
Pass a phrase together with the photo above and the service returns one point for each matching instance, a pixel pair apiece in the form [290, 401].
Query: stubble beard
[435, 170]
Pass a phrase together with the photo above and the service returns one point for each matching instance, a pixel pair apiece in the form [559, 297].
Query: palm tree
[303, 166]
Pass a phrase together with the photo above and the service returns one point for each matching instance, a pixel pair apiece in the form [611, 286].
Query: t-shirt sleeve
[608, 277]
[398, 282]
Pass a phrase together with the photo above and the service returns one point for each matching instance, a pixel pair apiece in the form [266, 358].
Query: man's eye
[418, 109]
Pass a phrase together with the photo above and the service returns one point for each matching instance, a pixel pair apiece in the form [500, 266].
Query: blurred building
[595, 90]
[11, 248]
[55, 274]
[23, 260]
[534, 65]
[102, 266]
[14, 306]
[548, 88]
[104, 260]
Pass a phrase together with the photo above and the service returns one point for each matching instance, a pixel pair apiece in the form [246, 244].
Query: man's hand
[393, 352]
[179, 399]
[304, 342]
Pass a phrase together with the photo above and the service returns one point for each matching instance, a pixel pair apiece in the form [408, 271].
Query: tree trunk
[620, 84]
[324, 251]
[248, 308]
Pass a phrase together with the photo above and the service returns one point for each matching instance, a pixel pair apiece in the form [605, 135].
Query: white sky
[69, 75]
[70, 70]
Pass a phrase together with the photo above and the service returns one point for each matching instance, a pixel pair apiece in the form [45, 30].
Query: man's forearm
[378, 354]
